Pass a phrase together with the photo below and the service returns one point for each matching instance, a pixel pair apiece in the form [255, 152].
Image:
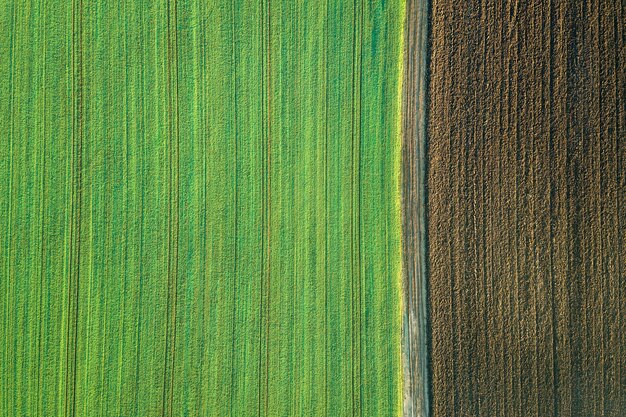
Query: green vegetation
[200, 208]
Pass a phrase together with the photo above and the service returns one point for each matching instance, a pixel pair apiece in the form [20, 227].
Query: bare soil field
[526, 181]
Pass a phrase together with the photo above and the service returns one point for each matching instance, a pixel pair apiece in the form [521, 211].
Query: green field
[200, 208]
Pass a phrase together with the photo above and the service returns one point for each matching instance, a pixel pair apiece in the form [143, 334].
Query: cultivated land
[200, 208]
[526, 186]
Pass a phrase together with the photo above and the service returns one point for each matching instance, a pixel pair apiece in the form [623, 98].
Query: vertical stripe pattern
[200, 208]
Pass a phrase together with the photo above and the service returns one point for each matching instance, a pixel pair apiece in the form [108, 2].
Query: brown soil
[526, 181]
